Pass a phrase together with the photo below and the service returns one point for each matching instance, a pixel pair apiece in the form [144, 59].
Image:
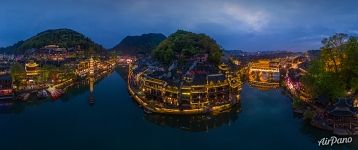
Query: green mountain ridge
[143, 44]
[66, 38]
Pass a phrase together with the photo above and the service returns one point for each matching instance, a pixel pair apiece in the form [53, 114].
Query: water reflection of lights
[194, 123]
[264, 80]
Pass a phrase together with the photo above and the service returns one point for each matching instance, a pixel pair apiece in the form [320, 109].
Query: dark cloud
[245, 24]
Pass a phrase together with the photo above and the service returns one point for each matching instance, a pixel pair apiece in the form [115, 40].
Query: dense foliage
[66, 38]
[15, 70]
[143, 44]
[335, 72]
[182, 45]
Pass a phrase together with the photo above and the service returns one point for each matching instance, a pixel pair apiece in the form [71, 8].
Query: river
[264, 121]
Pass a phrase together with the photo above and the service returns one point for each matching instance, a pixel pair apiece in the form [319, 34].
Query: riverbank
[56, 90]
[317, 115]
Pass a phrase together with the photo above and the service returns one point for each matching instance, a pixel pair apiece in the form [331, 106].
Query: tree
[184, 45]
[46, 72]
[17, 70]
[333, 49]
[65, 38]
[351, 64]
[339, 52]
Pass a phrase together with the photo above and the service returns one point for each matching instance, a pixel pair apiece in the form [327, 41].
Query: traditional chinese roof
[342, 108]
[215, 78]
[224, 67]
[31, 64]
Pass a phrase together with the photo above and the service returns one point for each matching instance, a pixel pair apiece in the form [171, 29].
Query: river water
[264, 121]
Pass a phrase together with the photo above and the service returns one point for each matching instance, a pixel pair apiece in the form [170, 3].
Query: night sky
[249, 25]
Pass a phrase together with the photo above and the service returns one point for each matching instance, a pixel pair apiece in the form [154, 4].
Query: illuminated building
[91, 67]
[4, 68]
[235, 61]
[31, 68]
[198, 92]
[91, 80]
[335, 63]
[52, 53]
[264, 74]
[82, 68]
[86, 67]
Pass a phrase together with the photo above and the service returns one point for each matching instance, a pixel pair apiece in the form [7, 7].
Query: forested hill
[65, 38]
[143, 44]
[187, 44]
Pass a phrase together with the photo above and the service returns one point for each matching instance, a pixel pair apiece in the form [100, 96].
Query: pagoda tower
[91, 100]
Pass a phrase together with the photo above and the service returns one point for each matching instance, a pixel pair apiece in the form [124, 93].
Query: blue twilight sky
[241, 24]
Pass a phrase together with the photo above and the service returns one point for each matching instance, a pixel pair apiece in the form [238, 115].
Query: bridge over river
[264, 74]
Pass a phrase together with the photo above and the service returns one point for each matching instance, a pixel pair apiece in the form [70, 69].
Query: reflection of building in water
[264, 74]
[194, 123]
[91, 81]
[91, 97]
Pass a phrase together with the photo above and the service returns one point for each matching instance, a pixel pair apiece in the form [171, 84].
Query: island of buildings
[200, 88]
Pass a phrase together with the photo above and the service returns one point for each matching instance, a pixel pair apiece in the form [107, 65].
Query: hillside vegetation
[183, 45]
